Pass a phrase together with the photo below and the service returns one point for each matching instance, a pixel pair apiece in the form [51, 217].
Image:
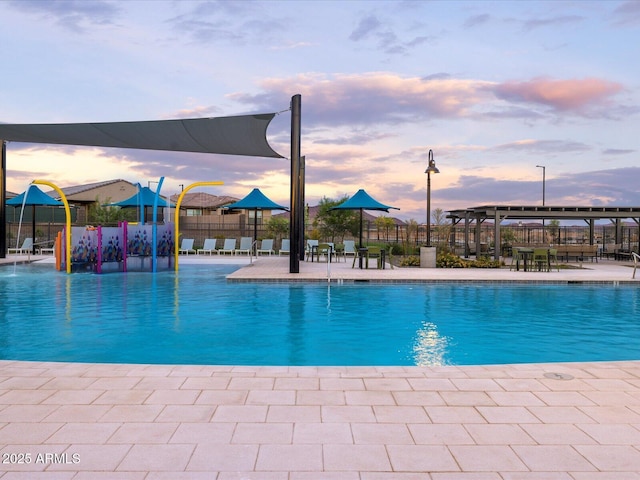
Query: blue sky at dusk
[493, 88]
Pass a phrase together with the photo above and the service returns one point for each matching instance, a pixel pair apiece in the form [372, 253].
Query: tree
[102, 214]
[411, 236]
[278, 227]
[442, 226]
[384, 224]
[333, 224]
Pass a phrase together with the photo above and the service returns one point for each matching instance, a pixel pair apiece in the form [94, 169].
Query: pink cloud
[560, 94]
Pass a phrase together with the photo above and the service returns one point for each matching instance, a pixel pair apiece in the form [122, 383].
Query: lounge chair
[186, 246]
[636, 259]
[208, 247]
[310, 245]
[553, 258]
[266, 247]
[350, 248]
[285, 248]
[27, 246]
[245, 246]
[228, 247]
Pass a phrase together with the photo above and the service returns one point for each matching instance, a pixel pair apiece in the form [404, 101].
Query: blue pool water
[196, 317]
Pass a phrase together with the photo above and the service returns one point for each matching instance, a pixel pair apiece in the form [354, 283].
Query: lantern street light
[430, 169]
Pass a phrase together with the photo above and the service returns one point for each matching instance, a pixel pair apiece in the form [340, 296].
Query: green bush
[449, 260]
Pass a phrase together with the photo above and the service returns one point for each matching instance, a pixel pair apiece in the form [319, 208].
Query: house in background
[83, 196]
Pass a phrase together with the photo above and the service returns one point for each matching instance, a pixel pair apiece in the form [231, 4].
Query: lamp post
[544, 171]
[544, 174]
[430, 169]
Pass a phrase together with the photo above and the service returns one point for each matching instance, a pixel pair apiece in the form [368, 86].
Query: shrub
[410, 261]
[449, 260]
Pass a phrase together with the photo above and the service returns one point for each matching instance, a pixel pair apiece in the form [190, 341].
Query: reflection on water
[430, 347]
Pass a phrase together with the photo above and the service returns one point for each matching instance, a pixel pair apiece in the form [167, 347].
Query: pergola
[498, 213]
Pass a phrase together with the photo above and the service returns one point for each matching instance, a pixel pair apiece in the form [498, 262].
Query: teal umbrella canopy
[35, 196]
[256, 200]
[144, 197]
[362, 201]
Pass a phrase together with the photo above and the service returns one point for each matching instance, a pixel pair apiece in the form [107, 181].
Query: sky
[493, 88]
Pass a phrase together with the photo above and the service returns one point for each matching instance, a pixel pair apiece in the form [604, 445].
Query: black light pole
[430, 169]
[544, 174]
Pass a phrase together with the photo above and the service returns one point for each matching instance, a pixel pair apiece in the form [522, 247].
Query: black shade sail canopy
[361, 200]
[238, 135]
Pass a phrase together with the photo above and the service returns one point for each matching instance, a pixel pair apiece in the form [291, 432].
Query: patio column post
[294, 217]
[3, 201]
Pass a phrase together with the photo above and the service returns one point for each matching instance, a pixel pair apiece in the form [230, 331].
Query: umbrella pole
[361, 246]
[33, 228]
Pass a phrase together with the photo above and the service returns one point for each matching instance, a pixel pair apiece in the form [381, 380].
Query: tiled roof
[203, 200]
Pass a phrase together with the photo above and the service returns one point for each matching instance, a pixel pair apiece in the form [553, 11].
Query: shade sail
[238, 135]
[35, 196]
[145, 197]
[256, 200]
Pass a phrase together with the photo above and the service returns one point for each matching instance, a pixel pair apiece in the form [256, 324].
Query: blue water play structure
[127, 247]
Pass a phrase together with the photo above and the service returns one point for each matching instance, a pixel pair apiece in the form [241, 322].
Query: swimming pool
[196, 317]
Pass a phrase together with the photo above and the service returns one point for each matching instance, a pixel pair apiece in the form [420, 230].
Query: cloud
[372, 98]
[365, 27]
[477, 20]
[543, 146]
[627, 14]
[561, 95]
[74, 15]
[617, 151]
[556, 22]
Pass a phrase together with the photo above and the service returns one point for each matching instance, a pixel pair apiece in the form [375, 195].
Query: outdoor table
[363, 253]
[527, 254]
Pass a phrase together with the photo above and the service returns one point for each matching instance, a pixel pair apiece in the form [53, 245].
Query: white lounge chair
[186, 246]
[245, 246]
[266, 247]
[350, 248]
[208, 247]
[27, 246]
[636, 260]
[228, 247]
[285, 247]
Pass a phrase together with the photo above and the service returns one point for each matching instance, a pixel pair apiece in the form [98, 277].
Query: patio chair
[516, 257]
[636, 259]
[26, 247]
[541, 259]
[310, 245]
[228, 247]
[266, 246]
[553, 258]
[245, 246]
[285, 248]
[326, 250]
[349, 248]
[375, 253]
[186, 246]
[208, 247]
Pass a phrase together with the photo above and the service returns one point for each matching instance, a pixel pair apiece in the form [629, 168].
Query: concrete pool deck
[572, 421]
